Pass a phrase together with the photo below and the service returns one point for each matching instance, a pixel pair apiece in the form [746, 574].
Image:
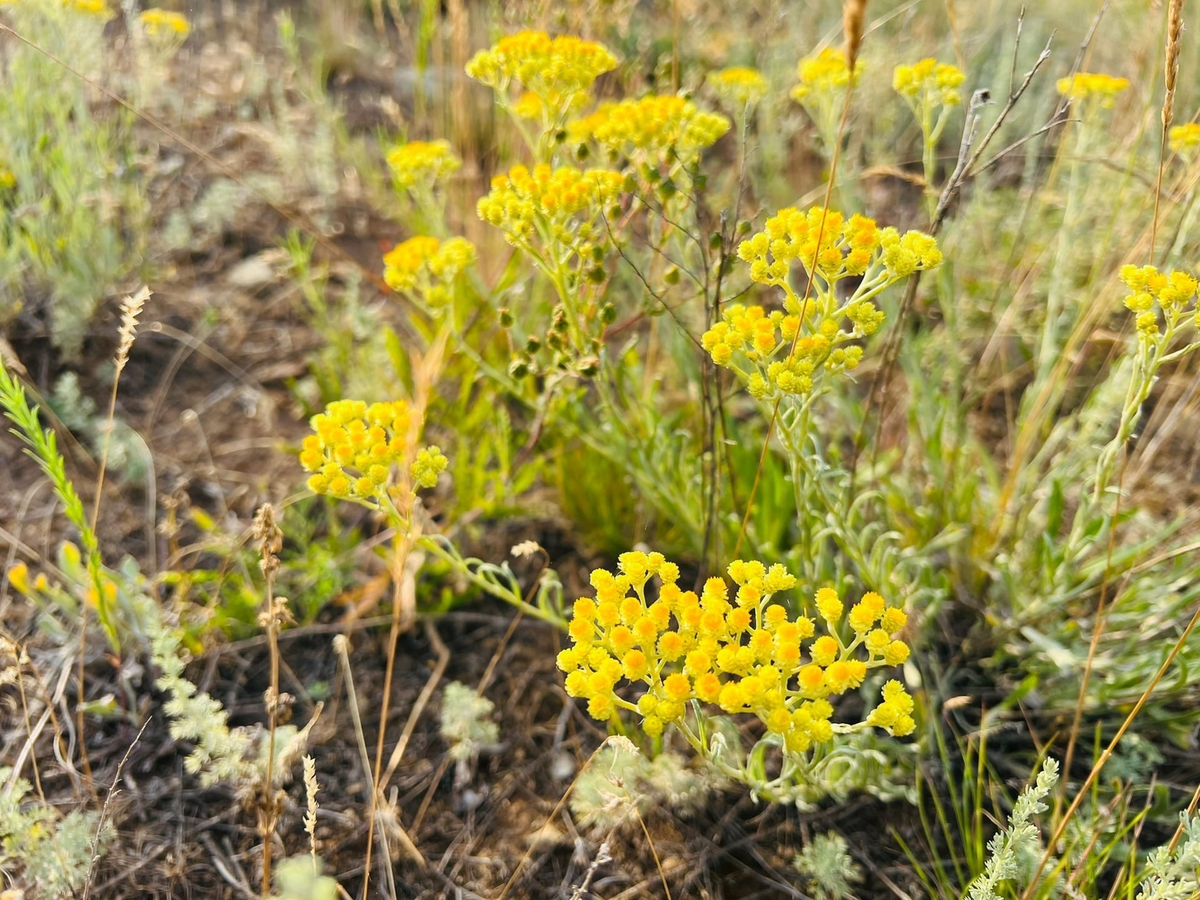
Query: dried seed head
[854, 20]
[131, 308]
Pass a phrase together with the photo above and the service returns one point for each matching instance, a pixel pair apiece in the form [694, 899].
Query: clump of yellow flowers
[91, 7]
[419, 164]
[930, 89]
[1184, 139]
[785, 352]
[738, 87]
[1088, 86]
[655, 130]
[425, 268]
[530, 205]
[1169, 293]
[557, 71]
[827, 72]
[354, 448]
[823, 82]
[929, 79]
[7, 179]
[158, 22]
[738, 651]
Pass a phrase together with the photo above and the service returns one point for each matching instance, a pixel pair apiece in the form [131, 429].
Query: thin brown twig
[94, 846]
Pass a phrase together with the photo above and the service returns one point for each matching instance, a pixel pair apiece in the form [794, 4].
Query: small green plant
[829, 869]
[465, 721]
[621, 786]
[46, 851]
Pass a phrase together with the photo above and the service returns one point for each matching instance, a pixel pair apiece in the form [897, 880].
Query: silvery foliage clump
[1171, 874]
[826, 864]
[465, 723]
[42, 849]
[220, 754]
[1013, 854]
[620, 784]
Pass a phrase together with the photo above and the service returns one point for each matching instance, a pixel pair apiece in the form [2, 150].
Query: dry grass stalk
[854, 21]
[270, 541]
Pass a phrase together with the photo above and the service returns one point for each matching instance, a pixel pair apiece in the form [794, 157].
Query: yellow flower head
[560, 70]
[1171, 293]
[7, 179]
[826, 73]
[429, 464]
[564, 201]
[426, 267]
[929, 79]
[163, 22]
[738, 86]
[846, 246]
[749, 658]
[653, 126]
[91, 7]
[353, 447]
[1087, 86]
[422, 163]
[1184, 139]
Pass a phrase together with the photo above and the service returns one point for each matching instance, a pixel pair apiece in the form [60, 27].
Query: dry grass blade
[854, 19]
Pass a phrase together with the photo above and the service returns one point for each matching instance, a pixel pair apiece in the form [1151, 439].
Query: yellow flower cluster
[1184, 139]
[426, 267]
[1171, 292]
[655, 125]
[560, 204]
[930, 79]
[847, 246]
[1086, 85]
[7, 178]
[559, 71]
[429, 464]
[422, 163]
[354, 446]
[738, 86]
[826, 73]
[741, 653]
[91, 7]
[161, 21]
[766, 340]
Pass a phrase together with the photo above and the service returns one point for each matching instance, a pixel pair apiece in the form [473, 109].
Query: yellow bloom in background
[559, 71]
[1184, 139]
[429, 464]
[563, 201]
[788, 354]
[422, 163]
[7, 179]
[161, 21]
[1089, 85]
[528, 106]
[653, 125]
[353, 447]
[930, 79]
[426, 267]
[91, 7]
[746, 659]
[1170, 293]
[827, 72]
[738, 86]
